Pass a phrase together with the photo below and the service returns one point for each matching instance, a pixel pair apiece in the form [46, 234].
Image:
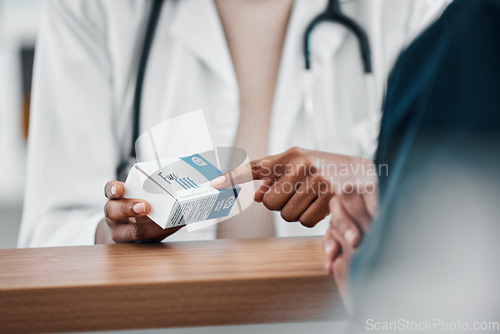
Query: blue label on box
[203, 166]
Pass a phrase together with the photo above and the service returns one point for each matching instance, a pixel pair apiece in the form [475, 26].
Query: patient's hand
[351, 215]
[126, 219]
[300, 183]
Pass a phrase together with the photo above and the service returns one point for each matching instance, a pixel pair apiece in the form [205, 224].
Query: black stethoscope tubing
[334, 14]
[154, 16]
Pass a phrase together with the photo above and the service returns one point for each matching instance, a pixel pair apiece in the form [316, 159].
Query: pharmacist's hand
[300, 183]
[126, 219]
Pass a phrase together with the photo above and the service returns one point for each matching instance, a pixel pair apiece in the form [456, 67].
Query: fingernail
[139, 208]
[218, 181]
[328, 249]
[349, 236]
[114, 192]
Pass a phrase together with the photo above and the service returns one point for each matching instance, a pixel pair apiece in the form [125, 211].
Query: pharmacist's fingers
[261, 169]
[126, 208]
[139, 232]
[316, 212]
[280, 193]
[114, 189]
[259, 194]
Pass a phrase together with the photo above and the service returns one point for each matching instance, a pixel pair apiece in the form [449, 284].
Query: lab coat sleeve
[72, 147]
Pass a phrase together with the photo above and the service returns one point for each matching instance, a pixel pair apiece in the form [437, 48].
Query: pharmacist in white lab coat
[85, 72]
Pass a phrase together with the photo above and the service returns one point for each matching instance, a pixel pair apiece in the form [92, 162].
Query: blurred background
[18, 30]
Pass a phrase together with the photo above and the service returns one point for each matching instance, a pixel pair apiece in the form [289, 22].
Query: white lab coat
[85, 70]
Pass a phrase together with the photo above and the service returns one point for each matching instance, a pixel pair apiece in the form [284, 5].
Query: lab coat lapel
[197, 26]
[289, 98]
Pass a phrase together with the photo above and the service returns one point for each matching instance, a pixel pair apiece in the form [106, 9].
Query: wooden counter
[133, 286]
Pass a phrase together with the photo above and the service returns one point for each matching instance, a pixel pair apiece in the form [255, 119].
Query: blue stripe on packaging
[203, 166]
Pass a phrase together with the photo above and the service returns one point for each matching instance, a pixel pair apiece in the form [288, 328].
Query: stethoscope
[333, 13]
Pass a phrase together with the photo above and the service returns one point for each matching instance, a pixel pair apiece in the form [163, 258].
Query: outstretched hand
[300, 183]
